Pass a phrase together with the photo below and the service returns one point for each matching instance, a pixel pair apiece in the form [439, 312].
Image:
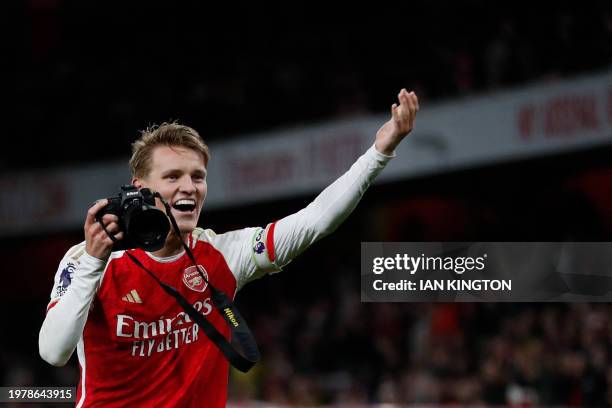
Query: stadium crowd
[336, 350]
[80, 68]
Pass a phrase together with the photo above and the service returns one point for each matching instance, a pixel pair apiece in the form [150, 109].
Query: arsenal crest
[193, 280]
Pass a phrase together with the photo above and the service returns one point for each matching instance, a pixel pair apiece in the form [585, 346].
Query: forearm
[64, 323]
[296, 232]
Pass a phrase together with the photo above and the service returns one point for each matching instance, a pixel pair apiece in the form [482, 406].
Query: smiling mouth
[185, 206]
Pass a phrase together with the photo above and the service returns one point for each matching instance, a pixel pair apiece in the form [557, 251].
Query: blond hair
[166, 134]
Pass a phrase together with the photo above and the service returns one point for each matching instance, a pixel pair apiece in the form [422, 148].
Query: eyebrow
[203, 172]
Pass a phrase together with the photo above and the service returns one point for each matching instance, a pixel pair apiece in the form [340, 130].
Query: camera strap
[238, 326]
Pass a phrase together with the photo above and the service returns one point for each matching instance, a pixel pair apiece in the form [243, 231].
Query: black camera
[143, 225]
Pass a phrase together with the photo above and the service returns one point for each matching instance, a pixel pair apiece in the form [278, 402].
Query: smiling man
[172, 160]
[135, 345]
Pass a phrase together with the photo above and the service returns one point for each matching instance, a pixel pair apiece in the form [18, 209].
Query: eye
[171, 177]
[198, 177]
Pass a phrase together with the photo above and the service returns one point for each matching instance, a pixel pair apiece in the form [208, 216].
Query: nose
[187, 185]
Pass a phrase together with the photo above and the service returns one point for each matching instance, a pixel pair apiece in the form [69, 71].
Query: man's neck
[172, 247]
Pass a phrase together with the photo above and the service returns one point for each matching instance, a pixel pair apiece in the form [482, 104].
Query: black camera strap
[238, 326]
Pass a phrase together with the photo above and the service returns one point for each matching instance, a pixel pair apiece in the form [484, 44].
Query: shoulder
[204, 235]
[235, 246]
[211, 237]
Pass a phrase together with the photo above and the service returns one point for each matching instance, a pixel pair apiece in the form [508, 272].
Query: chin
[186, 227]
[185, 222]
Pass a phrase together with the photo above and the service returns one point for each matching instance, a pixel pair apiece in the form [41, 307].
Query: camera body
[143, 225]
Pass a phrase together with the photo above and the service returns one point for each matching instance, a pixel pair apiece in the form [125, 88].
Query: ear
[136, 182]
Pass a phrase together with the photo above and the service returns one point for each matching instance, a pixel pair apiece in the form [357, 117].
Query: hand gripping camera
[143, 225]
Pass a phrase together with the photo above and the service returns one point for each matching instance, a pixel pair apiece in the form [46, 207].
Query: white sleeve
[76, 283]
[280, 242]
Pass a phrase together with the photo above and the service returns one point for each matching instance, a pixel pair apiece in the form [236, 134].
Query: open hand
[400, 124]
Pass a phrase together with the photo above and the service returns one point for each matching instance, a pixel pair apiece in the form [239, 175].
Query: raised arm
[288, 237]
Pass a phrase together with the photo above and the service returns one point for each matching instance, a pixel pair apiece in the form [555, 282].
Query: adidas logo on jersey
[132, 297]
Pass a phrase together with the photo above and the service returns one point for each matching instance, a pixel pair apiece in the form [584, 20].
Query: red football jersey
[139, 348]
[136, 346]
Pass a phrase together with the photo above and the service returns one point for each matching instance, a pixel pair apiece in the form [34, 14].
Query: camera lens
[147, 227]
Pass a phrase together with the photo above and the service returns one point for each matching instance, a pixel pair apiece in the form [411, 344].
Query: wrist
[387, 149]
[90, 264]
[101, 254]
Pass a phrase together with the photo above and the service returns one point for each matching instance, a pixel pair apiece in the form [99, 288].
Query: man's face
[179, 175]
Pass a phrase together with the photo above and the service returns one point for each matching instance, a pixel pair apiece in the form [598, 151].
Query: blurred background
[512, 144]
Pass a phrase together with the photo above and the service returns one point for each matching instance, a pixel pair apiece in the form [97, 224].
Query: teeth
[185, 202]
